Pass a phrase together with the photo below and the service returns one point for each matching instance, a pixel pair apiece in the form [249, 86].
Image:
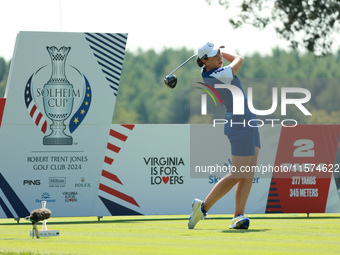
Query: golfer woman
[244, 139]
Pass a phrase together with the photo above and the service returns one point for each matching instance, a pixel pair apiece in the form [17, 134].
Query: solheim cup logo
[57, 98]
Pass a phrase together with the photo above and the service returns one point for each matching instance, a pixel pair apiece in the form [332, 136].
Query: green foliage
[144, 99]
[308, 23]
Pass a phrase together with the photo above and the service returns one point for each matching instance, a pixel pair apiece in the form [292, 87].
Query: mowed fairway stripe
[279, 234]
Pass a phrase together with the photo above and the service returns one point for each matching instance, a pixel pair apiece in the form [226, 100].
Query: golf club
[171, 80]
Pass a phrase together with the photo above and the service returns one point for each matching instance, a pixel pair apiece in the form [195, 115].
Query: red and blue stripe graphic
[110, 175]
[32, 108]
[81, 113]
[109, 50]
[273, 202]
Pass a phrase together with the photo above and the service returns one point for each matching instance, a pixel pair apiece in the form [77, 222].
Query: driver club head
[170, 81]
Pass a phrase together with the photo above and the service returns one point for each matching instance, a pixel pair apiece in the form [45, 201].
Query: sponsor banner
[307, 153]
[146, 171]
[150, 171]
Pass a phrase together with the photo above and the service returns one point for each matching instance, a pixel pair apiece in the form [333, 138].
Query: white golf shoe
[196, 214]
[239, 222]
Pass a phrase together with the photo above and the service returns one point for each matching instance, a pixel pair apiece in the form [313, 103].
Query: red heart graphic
[165, 179]
[70, 199]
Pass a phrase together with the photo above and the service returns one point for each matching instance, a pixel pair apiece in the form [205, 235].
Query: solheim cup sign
[57, 97]
[60, 98]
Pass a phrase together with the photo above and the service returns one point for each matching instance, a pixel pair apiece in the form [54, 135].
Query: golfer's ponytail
[199, 62]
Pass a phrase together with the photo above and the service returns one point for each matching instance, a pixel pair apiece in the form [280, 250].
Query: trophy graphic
[58, 98]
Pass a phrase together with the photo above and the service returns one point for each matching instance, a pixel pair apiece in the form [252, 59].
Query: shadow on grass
[134, 220]
[13, 239]
[242, 231]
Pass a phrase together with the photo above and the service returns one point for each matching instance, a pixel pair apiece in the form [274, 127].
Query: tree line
[144, 99]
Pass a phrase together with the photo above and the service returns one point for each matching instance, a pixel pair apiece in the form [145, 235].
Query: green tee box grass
[268, 234]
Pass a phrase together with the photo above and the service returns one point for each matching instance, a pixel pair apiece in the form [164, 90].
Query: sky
[150, 24]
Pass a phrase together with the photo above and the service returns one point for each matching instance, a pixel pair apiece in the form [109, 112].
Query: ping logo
[31, 182]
